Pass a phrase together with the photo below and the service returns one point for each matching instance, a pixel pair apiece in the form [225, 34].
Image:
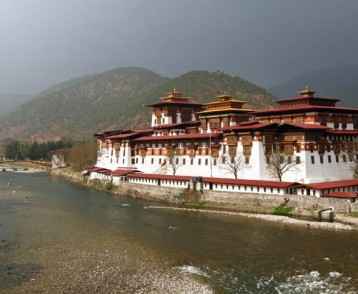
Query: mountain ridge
[114, 99]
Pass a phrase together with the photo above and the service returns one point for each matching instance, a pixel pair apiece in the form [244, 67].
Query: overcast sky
[266, 41]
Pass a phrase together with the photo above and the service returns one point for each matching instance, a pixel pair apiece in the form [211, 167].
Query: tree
[82, 155]
[279, 164]
[172, 162]
[233, 165]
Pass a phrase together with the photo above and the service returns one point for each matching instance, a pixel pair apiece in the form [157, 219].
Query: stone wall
[243, 202]
[260, 203]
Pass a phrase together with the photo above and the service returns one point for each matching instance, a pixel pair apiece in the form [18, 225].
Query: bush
[282, 210]
[108, 186]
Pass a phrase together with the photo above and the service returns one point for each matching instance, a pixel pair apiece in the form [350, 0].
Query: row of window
[183, 161]
[330, 159]
[176, 161]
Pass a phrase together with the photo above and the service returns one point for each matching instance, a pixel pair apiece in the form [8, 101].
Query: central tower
[174, 109]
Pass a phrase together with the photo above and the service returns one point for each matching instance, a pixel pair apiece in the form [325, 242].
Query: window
[177, 161]
[344, 158]
[133, 160]
[337, 158]
[136, 160]
[247, 160]
[321, 158]
[289, 160]
[298, 160]
[206, 161]
[329, 159]
[184, 161]
[199, 161]
[160, 161]
[214, 161]
[268, 159]
[224, 159]
[192, 161]
[312, 160]
[152, 161]
[142, 160]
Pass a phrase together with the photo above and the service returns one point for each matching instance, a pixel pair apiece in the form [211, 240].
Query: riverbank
[24, 166]
[251, 206]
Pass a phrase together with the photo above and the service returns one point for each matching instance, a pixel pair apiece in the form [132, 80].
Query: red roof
[305, 108]
[309, 126]
[267, 184]
[344, 195]
[159, 177]
[333, 185]
[256, 183]
[300, 98]
[123, 172]
[245, 127]
[179, 137]
[133, 134]
[343, 132]
[257, 126]
[181, 125]
[184, 102]
[100, 170]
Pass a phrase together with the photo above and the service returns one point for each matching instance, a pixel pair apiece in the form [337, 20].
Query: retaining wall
[243, 202]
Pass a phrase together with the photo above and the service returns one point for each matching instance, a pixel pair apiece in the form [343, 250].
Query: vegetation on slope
[204, 86]
[115, 99]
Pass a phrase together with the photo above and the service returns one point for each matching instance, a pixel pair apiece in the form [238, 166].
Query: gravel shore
[267, 217]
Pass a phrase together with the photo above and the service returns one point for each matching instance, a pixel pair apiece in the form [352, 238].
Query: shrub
[282, 210]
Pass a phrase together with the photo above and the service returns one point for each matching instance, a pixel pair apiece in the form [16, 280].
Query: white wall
[256, 169]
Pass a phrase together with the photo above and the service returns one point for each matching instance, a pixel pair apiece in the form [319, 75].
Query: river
[56, 237]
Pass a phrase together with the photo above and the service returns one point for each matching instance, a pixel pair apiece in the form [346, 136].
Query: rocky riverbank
[24, 166]
[176, 201]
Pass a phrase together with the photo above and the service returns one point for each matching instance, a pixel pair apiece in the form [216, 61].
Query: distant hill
[340, 82]
[115, 99]
[9, 102]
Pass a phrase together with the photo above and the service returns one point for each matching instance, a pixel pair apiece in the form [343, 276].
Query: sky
[43, 42]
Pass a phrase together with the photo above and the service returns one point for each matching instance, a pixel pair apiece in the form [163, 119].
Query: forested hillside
[115, 99]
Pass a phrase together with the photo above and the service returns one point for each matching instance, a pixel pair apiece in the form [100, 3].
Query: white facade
[312, 166]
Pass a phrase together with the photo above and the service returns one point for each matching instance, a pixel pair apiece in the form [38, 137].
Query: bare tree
[172, 162]
[355, 168]
[233, 165]
[279, 164]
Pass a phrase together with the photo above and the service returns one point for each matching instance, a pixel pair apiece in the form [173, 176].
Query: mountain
[204, 86]
[9, 102]
[340, 82]
[115, 99]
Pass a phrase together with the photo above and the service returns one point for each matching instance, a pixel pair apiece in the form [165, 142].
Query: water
[56, 237]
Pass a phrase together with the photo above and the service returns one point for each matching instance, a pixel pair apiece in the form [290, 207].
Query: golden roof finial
[307, 92]
[174, 94]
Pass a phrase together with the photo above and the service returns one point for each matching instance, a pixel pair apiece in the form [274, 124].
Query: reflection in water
[83, 241]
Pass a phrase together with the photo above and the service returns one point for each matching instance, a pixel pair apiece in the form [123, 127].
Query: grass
[282, 210]
[354, 214]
